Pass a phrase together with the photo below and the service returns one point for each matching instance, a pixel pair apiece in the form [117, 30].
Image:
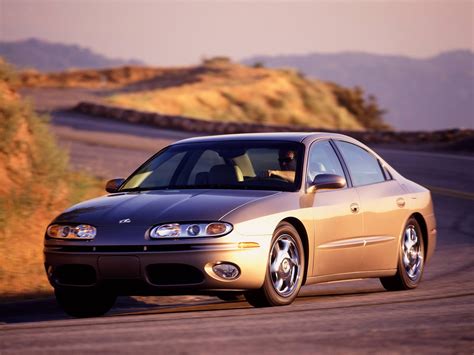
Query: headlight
[166, 231]
[82, 231]
[190, 230]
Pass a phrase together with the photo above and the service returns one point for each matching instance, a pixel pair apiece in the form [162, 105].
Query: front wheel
[410, 260]
[82, 303]
[285, 269]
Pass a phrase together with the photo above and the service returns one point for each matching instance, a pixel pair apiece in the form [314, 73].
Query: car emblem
[126, 220]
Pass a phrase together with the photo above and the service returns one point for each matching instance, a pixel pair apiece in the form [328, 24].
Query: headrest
[202, 178]
[224, 174]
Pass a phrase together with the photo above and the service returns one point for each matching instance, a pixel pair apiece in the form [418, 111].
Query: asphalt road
[346, 317]
[108, 148]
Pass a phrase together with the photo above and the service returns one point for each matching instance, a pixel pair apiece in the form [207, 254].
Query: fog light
[226, 271]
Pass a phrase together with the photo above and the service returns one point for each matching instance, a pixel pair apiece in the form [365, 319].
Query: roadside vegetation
[226, 91]
[221, 90]
[35, 185]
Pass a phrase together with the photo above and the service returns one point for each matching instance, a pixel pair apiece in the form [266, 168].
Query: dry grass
[224, 91]
[92, 78]
[36, 185]
[22, 273]
[231, 92]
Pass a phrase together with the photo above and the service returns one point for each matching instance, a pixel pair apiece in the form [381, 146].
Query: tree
[366, 110]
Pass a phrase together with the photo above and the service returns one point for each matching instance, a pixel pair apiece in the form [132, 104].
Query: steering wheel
[277, 177]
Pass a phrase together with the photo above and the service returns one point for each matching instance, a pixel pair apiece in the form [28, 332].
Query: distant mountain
[47, 56]
[419, 94]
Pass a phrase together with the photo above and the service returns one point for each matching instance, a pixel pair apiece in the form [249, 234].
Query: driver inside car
[287, 161]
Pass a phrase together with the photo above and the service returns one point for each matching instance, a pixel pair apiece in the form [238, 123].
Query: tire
[285, 270]
[410, 259]
[81, 303]
[230, 296]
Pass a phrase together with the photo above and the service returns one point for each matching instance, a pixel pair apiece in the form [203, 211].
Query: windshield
[257, 165]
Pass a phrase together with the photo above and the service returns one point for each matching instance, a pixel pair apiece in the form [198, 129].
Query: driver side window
[323, 160]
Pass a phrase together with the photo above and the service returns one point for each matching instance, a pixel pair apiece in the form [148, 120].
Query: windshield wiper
[139, 189]
[209, 186]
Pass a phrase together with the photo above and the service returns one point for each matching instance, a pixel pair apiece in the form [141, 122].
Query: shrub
[36, 185]
[366, 110]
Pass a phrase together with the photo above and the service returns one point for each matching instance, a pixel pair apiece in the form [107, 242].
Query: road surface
[345, 317]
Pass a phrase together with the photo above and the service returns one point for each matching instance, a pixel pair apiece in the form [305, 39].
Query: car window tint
[323, 160]
[206, 161]
[161, 171]
[363, 166]
[258, 165]
[263, 159]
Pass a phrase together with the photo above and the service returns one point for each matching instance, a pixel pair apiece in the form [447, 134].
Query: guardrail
[189, 124]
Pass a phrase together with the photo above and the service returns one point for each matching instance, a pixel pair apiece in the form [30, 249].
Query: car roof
[274, 136]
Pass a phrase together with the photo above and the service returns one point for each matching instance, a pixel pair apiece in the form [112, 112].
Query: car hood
[152, 207]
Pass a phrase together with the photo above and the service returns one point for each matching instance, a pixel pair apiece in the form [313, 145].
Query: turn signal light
[216, 228]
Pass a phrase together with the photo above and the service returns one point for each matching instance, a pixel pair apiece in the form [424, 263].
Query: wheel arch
[300, 228]
[424, 229]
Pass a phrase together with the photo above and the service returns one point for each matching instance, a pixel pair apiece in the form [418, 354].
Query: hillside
[221, 90]
[419, 94]
[36, 186]
[46, 56]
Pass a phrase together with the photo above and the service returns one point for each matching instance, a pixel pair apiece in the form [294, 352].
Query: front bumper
[157, 268]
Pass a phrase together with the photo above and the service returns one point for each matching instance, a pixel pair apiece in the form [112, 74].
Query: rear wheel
[82, 303]
[410, 260]
[285, 270]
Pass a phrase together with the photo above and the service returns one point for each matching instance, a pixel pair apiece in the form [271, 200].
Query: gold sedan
[253, 214]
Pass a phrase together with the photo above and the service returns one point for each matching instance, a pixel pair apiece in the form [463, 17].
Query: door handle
[354, 207]
[401, 202]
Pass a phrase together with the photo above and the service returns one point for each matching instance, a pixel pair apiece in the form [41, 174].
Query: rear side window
[363, 166]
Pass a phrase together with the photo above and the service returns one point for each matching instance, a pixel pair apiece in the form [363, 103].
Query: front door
[339, 228]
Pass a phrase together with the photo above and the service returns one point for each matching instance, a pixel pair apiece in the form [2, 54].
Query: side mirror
[113, 185]
[327, 181]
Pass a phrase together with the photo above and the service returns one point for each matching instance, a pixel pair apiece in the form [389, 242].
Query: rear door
[381, 206]
[338, 224]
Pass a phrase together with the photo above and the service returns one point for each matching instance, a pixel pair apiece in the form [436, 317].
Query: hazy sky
[183, 32]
